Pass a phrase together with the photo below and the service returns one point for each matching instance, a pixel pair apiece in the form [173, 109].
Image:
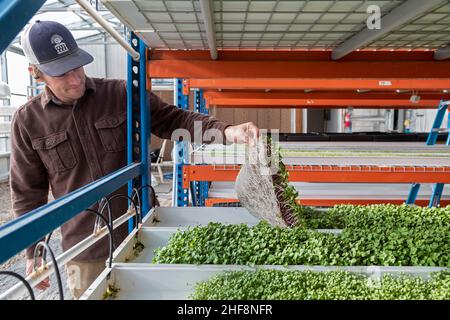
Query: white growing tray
[152, 238]
[140, 279]
[194, 216]
[175, 282]
[161, 222]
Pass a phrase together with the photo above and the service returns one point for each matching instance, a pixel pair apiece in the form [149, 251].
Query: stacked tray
[137, 278]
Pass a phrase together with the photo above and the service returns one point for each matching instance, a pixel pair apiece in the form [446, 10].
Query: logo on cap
[60, 46]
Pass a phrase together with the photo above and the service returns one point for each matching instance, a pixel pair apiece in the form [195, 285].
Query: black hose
[108, 204]
[52, 256]
[153, 195]
[111, 244]
[138, 215]
[22, 279]
[47, 241]
[135, 194]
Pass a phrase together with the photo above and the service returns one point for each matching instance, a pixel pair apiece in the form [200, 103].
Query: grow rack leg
[180, 151]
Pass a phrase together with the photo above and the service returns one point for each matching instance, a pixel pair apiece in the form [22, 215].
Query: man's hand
[242, 133]
[44, 284]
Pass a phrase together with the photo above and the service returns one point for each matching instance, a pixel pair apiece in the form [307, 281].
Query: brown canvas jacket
[66, 147]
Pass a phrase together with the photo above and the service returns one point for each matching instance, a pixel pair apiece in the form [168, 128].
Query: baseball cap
[51, 47]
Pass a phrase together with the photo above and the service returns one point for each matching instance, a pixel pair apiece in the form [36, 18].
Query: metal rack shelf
[328, 173]
[330, 194]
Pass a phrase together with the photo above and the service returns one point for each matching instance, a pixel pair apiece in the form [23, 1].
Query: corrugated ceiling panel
[250, 23]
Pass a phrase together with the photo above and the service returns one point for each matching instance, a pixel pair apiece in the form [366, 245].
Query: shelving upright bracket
[138, 123]
[180, 196]
[199, 188]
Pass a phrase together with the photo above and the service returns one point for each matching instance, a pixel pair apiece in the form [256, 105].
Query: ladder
[432, 138]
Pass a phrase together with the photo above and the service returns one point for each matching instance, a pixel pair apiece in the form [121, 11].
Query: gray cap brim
[67, 63]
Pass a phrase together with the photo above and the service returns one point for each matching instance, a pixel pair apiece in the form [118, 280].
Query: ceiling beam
[14, 49]
[442, 53]
[208, 20]
[76, 25]
[397, 17]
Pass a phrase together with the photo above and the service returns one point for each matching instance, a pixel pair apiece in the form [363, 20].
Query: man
[75, 133]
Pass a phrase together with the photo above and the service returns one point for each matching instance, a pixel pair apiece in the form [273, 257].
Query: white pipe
[293, 120]
[304, 120]
[209, 26]
[400, 15]
[19, 290]
[101, 21]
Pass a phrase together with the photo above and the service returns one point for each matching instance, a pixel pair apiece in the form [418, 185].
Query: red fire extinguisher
[348, 122]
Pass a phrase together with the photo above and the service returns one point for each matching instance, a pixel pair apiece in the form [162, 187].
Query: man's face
[69, 87]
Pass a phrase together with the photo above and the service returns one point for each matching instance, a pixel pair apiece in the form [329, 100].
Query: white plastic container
[152, 238]
[174, 282]
[194, 216]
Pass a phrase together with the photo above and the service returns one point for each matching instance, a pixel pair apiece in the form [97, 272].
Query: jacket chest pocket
[56, 151]
[112, 132]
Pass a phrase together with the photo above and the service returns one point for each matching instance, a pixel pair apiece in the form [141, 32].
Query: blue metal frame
[448, 127]
[200, 188]
[413, 192]
[138, 132]
[145, 129]
[22, 232]
[180, 156]
[431, 140]
[434, 133]
[437, 194]
[14, 15]
[199, 102]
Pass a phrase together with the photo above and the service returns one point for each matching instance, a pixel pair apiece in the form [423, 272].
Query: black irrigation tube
[135, 193]
[108, 204]
[110, 234]
[117, 196]
[46, 247]
[22, 279]
[52, 256]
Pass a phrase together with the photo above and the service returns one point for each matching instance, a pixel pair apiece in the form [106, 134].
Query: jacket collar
[48, 96]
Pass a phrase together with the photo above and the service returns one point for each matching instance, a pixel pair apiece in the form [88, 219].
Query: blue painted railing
[24, 231]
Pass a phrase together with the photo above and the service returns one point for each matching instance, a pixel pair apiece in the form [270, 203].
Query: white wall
[113, 65]
[117, 62]
[423, 120]
[335, 123]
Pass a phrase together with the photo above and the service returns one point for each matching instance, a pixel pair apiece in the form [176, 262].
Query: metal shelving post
[200, 188]
[138, 130]
[180, 196]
